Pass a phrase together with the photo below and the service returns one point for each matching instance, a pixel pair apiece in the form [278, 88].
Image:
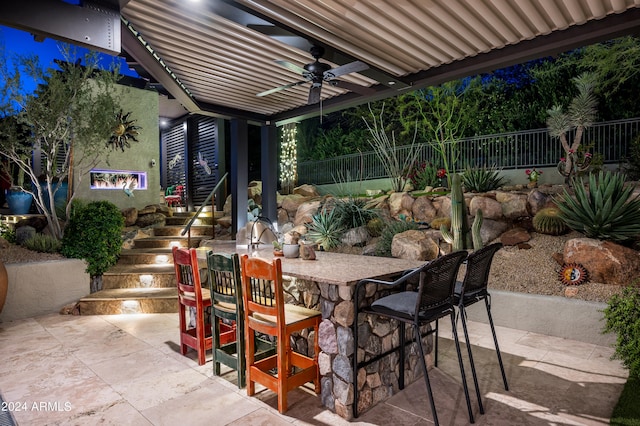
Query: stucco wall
[40, 288]
[143, 105]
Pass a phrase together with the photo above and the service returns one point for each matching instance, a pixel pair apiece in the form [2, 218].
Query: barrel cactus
[548, 221]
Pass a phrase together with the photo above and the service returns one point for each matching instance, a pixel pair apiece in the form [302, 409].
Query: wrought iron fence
[515, 150]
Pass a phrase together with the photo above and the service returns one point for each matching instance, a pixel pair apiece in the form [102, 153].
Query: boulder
[400, 203]
[514, 206]
[153, 219]
[164, 209]
[147, 210]
[130, 216]
[305, 212]
[224, 221]
[291, 203]
[515, 236]
[414, 245]
[306, 190]
[423, 209]
[537, 201]
[491, 229]
[606, 262]
[36, 222]
[356, 236]
[491, 209]
[283, 217]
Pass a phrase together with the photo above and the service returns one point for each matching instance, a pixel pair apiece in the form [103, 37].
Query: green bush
[325, 229]
[632, 162]
[383, 247]
[43, 244]
[622, 316]
[482, 179]
[8, 233]
[605, 210]
[352, 213]
[94, 233]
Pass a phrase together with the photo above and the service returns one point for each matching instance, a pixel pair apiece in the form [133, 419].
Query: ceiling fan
[318, 72]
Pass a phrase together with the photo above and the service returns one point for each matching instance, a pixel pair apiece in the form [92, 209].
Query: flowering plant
[441, 173]
[533, 174]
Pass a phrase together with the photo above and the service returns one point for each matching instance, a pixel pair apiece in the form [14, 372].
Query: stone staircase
[143, 280]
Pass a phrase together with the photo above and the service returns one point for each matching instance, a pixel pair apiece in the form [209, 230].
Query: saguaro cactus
[461, 237]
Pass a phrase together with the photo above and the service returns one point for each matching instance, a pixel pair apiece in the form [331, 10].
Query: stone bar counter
[327, 284]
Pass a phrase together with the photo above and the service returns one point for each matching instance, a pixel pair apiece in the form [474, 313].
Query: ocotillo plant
[461, 237]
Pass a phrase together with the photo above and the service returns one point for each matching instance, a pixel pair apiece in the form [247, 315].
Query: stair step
[130, 301]
[175, 230]
[148, 256]
[139, 276]
[166, 242]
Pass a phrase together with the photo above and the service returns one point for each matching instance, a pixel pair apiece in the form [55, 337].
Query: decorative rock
[327, 337]
[130, 216]
[224, 221]
[423, 209]
[283, 217]
[24, 233]
[343, 392]
[491, 209]
[491, 229]
[345, 341]
[537, 201]
[514, 237]
[400, 203]
[305, 212]
[606, 262]
[415, 245]
[306, 190]
[36, 222]
[291, 203]
[326, 395]
[147, 210]
[153, 219]
[324, 363]
[356, 236]
[342, 368]
[571, 291]
[515, 206]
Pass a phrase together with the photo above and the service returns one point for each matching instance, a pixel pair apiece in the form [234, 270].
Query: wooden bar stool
[227, 316]
[192, 295]
[265, 312]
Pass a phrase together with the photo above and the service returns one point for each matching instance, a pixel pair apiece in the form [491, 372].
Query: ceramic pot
[532, 184]
[291, 251]
[19, 202]
[4, 284]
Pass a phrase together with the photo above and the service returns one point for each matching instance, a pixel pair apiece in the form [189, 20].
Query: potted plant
[291, 248]
[533, 175]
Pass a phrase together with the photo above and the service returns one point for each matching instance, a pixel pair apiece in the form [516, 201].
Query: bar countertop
[331, 268]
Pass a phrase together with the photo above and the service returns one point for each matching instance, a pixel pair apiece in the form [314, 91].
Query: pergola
[215, 56]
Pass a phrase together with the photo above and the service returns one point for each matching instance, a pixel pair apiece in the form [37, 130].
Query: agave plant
[606, 210]
[325, 229]
[482, 179]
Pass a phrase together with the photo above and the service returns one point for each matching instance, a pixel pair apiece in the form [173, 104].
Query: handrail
[187, 227]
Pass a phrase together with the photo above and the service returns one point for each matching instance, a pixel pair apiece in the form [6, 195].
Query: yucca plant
[325, 229]
[352, 212]
[605, 211]
[482, 179]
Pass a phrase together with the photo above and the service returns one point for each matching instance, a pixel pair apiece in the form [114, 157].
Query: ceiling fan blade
[356, 66]
[363, 90]
[292, 67]
[277, 89]
[314, 95]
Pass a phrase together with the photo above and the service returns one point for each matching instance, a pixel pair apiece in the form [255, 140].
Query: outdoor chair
[227, 316]
[474, 289]
[265, 312]
[433, 299]
[191, 295]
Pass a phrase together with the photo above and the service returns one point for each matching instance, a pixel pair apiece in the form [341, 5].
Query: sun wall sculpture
[124, 132]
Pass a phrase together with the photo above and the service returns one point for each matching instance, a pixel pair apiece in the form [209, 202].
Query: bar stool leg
[463, 314]
[462, 374]
[495, 341]
[416, 329]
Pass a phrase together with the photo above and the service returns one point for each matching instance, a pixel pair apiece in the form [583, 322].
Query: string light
[288, 157]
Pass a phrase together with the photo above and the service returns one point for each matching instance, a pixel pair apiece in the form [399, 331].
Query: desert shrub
[622, 316]
[632, 162]
[43, 244]
[383, 247]
[352, 212]
[375, 226]
[482, 179]
[606, 210]
[94, 233]
[8, 233]
[423, 175]
[325, 229]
